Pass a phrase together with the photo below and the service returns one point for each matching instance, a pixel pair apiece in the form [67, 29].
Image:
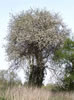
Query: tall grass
[26, 93]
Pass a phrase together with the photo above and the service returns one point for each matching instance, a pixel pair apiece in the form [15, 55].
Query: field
[29, 93]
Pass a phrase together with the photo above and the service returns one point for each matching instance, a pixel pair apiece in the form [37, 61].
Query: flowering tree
[34, 35]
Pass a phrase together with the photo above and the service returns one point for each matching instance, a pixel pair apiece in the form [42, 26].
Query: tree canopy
[66, 54]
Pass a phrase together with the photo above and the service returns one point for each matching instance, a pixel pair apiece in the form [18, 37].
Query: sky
[64, 7]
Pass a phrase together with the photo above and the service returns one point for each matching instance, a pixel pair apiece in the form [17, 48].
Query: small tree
[67, 55]
[34, 35]
[13, 79]
[3, 80]
[9, 79]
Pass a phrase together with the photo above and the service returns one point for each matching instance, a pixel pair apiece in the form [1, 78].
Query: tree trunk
[37, 71]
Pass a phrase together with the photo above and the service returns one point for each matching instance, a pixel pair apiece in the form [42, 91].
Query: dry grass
[22, 93]
[28, 94]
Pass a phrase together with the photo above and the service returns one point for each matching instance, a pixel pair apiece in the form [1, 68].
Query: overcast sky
[64, 7]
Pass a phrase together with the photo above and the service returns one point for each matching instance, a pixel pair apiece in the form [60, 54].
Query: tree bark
[37, 71]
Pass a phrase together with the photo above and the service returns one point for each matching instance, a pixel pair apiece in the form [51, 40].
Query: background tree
[66, 55]
[34, 35]
[13, 79]
[2, 77]
[8, 78]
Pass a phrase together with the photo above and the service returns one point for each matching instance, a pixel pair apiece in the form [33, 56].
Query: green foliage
[49, 87]
[66, 52]
[2, 98]
[67, 55]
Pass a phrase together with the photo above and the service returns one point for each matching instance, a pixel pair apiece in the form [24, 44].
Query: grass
[31, 93]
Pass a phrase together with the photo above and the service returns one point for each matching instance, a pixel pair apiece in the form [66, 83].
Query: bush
[2, 98]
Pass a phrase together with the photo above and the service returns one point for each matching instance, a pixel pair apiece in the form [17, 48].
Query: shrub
[2, 98]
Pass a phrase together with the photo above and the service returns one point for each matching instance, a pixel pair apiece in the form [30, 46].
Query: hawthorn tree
[34, 35]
